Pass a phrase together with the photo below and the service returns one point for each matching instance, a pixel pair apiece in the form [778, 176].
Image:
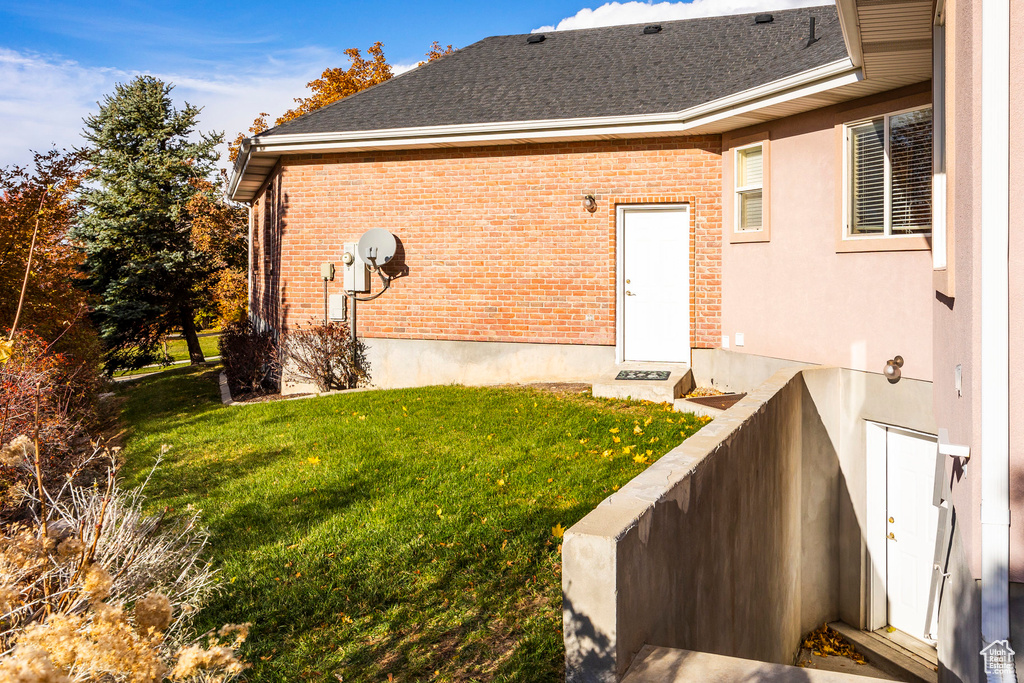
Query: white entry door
[654, 283]
[911, 525]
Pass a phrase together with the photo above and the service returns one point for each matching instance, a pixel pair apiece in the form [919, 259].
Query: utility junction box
[357, 273]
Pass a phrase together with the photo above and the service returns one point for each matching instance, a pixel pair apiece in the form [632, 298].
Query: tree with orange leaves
[219, 229]
[436, 52]
[39, 266]
[337, 83]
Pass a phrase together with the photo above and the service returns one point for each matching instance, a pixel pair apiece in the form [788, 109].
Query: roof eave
[850, 25]
[829, 76]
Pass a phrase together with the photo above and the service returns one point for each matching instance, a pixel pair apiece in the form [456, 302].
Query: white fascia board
[827, 77]
[849, 22]
[244, 153]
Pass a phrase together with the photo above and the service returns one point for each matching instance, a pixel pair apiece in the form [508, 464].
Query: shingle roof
[610, 71]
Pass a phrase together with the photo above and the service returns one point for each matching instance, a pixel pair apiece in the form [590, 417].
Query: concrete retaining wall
[718, 547]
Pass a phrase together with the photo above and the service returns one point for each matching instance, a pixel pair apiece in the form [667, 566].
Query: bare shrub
[48, 392]
[250, 357]
[93, 589]
[323, 354]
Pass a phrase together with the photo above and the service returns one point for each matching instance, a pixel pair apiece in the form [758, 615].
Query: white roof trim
[827, 77]
[849, 21]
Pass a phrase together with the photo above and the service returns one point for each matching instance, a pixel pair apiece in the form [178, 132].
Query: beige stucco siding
[1017, 290]
[957, 330]
[796, 296]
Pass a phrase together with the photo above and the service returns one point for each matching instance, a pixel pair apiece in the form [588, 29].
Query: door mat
[723, 402]
[657, 375]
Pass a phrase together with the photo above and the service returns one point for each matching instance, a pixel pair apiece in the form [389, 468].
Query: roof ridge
[824, 3]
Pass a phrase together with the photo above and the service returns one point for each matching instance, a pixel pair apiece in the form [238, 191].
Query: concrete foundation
[396, 363]
[731, 371]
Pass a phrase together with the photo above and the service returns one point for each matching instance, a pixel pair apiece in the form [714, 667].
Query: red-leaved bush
[323, 354]
[60, 388]
[250, 358]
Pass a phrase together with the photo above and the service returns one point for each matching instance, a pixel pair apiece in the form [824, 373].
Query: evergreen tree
[145, 272]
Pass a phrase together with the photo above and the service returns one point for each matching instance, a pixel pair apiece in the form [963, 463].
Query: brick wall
[496, 241]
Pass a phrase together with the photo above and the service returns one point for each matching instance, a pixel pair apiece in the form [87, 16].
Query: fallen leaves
[826, 642]
[558, 530]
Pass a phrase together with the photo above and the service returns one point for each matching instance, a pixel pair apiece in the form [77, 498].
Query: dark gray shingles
[610, 71]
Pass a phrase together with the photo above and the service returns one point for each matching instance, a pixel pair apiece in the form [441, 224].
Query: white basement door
[656, 284]
[911, 527]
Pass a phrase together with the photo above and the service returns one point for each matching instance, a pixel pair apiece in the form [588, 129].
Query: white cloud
[615, 13]
[45, 98]
[401, 68]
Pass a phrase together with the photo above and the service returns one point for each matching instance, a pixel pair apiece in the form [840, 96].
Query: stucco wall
[497, 243]
[797, 296]
[958, 317]
[1017, 290]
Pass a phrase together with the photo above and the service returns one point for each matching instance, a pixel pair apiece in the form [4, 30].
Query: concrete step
[889, 656]
[668, 665]
[679, 382]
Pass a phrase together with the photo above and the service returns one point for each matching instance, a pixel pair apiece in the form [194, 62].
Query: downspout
[995, 308]
[248, 298]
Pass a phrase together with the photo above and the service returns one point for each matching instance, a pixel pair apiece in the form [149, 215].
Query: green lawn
[177, 349]
[404, 532]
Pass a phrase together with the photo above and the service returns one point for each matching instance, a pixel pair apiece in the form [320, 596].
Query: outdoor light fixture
[892, 370]
[590, 203]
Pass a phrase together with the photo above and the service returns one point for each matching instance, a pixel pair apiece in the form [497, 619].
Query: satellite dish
[377, 246]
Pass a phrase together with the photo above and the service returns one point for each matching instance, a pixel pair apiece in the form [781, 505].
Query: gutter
[827, 77]
[995, 328]
[849, 22]
[241, 164]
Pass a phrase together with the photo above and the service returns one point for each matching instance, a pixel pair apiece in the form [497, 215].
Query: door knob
[891, 536]
[627, 282]
[891, 520]
[629, 293]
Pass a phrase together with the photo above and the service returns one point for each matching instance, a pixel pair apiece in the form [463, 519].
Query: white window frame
[739, 190]
[848, 181]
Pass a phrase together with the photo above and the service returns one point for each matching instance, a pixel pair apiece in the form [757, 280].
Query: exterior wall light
[892, 370]
[590, 203]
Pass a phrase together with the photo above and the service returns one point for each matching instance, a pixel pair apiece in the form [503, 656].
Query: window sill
[862, 244]
[745, 236]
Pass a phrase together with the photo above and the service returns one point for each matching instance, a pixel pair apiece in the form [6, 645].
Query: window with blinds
[889, 169]
[749, 188]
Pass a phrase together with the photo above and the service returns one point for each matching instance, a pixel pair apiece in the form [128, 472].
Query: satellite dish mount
[375, 249]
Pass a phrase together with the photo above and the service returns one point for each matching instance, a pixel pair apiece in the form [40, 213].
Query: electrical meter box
[357, 274]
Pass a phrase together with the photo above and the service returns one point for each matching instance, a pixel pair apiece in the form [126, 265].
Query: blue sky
[237, 59]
